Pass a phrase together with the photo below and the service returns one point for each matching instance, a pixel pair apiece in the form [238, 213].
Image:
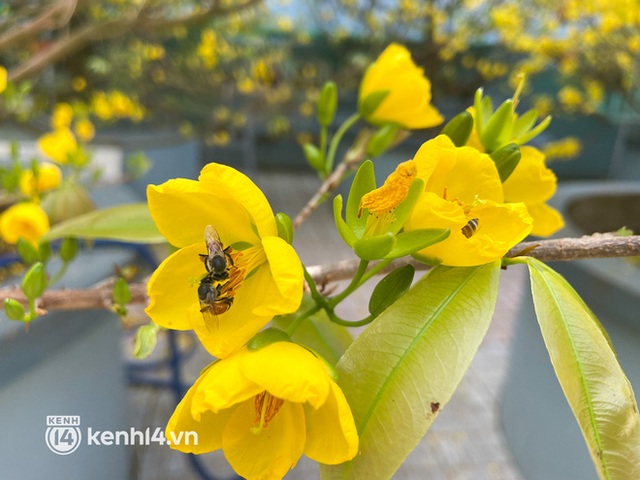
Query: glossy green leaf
[390, 288]
[408, 243]
[459, 128]
[318, 333]
[592, 380]
[363, 182]
[374, 248]
[129, 223]
[403, 369]
[506, 160]
[497, 131]
[343, 229]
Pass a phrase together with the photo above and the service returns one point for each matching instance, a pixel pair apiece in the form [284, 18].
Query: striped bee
[218, 259]
[470, 228]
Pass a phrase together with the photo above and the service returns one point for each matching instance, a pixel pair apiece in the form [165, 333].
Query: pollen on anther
[394, 190]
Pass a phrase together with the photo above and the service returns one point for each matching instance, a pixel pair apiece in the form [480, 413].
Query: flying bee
[470, 228]
[218, 258]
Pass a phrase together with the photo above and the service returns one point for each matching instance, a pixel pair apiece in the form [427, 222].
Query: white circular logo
[63, 440]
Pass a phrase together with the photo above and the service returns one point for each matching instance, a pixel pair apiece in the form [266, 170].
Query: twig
[562, 249]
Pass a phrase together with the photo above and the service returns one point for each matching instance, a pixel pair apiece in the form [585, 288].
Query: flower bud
[13, 309]
[459, 128]
[327, 104]
[145, 341]
[68, 249]
[34, 282]
[27, 251]
[314, 157]
[285, 227]
[381, 140]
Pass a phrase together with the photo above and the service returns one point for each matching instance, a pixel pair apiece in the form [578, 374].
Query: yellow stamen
[266, 406]
[387, 197]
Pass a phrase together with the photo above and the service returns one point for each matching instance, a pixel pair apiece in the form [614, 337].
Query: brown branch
[54, 17]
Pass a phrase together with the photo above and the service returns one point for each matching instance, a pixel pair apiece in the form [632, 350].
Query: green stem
[293, 326]
[323, 148]
[350, 323]
[335, 141]
[58, 275]
[353, 285]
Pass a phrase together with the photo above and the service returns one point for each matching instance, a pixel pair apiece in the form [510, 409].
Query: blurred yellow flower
[78, 84]
[463, 193]
[3, 79]
[62, 115]
[85, 130]
[408, 92]
[23, 220]
[60, 145]
[266, 408]
[49, 177]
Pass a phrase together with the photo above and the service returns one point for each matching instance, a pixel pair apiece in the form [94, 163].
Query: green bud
[497, 132]
[314, 157]
[506, 160]
[34, 282]
[121, 292]
[374, 248]
[327, 104]
[390, 288]
[13, 309]
[68, 249]
[145, 341]
[27, 251]
[382, 139]
[370, 104]
[267, 337]
[285, 227]
[459, 128]
[45, 251]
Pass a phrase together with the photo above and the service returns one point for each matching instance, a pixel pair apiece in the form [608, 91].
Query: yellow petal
[233, 186]
[332, 437]
[409, 100]
[546, 220]
[281, 291]
[181, 209]
[223, 385]
[209, 426]
[270, 454]
[458, 173]
[3, 79]
[500, 227]
[531, 182]
[288, 371]
[173, 288]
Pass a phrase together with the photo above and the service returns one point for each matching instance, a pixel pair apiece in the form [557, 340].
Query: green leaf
[506, 160]
[285, 227]
[410, 242]
[318, 333]
[145, 341]
[390, 288]
[129, 223]
[343, 229]
[400, 372]
[363, 182]
[459, 128]
[497, 131]
[374, 248]
[593, 382]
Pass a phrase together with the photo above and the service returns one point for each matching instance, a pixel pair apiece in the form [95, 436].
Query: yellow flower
[408, 102]
[533, 183]
[49, 177]
[3, 79]
[62, 115]
[23, 220]
[266, 278]
[85, 130]
[265, 409]
[60, 145]
[463, 193]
